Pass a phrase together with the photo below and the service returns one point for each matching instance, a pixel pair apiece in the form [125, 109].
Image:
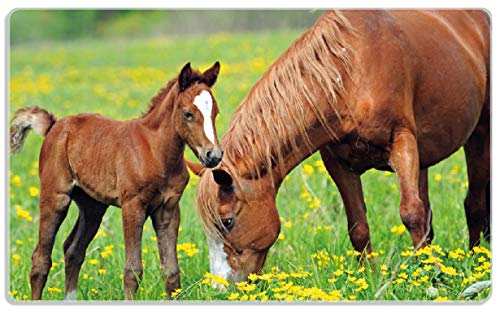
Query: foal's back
[90, 149]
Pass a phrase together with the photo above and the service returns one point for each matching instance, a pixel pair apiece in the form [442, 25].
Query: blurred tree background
[28, 26]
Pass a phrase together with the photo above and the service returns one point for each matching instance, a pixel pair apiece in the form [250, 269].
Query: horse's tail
[25, 119]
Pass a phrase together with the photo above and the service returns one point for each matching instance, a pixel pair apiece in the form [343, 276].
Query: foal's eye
[188, 115]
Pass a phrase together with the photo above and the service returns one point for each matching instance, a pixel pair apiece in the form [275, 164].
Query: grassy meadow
[313, 258]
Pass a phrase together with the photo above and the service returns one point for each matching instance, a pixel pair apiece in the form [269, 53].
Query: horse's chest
[170, 192]
[359, 156]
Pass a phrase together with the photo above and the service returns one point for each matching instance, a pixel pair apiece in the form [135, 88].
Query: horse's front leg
[423, 191]
[349, 185]
[404, 161]
[133, 217]
[166, 224]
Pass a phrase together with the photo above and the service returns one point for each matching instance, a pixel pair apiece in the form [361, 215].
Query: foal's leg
[166, 224]
[423, 191]
[349, 185]
[477, 202]
[133, 217]
[404, 161]
[75, 246]
[53, 209]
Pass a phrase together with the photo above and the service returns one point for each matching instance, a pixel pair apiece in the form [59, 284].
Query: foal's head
[195, 112]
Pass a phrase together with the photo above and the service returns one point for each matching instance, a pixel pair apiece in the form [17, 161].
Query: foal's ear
[222, 178]
[184, 79]
[211, 74]
[196, 168]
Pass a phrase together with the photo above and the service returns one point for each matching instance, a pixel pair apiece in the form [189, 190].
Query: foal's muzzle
[211, 157]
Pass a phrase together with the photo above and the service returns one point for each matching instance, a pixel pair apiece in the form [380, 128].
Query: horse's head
[240, 219]
[195, 112]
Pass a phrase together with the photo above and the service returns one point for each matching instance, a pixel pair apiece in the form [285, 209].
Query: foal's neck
[165, 140]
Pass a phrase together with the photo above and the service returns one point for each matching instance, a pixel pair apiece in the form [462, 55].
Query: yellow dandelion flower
[401, 229]
[16, 180]
[403, 266]
[33, 191]
[233, 296]
[54, 290]
[308, 169]
[441, 298]
[437, 177]
[176, 293]
[153, 238]
[288, 224]
[19, 242]
[281, 237]
[102, 271]
[403, 275]
[85, 276]
[16, 258]
[93, 262]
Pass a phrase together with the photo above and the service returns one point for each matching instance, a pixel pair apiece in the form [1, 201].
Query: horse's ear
[222, 178]
[196, 168]
[184, 79]
[211, 74]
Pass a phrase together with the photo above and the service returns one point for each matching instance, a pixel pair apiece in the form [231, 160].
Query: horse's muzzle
[211, 157]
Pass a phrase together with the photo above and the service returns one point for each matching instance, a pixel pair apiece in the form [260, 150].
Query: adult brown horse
[136, 165]
[391, 90]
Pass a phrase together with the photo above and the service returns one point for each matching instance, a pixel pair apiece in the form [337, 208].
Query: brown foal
[136, 165]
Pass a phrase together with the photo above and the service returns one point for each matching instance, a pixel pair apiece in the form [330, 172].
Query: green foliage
[62, 25]
[313, 258]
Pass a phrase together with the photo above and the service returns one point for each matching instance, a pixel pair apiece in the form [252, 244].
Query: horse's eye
[188, 115]
[227, 223]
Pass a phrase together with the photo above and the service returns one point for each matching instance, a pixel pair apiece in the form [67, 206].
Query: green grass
[117, 79]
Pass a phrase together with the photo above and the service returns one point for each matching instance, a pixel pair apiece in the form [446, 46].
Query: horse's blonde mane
[274, 108]
[275, 105]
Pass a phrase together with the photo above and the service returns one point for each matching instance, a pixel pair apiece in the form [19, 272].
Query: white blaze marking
[71, 295]
[218, 258]
[204, 103]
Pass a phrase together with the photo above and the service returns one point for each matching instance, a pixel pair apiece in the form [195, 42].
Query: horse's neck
[315, 137]
[165, 141]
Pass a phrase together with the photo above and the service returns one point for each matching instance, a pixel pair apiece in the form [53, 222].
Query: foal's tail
[25, 119]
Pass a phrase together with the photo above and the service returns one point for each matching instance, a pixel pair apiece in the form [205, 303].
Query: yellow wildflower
[102, 271]
[175, 293]
[437, 177]
[440, 298]
[16, 180]
[308, 169]
[54, 290]
[33, 191]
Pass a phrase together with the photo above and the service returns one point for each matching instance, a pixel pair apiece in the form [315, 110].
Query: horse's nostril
[208, 154]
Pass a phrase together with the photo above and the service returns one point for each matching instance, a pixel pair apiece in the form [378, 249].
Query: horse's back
[427, 70]
[86, 145]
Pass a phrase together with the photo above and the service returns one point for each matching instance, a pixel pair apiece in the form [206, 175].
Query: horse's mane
[274, 108]
[196, 76]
